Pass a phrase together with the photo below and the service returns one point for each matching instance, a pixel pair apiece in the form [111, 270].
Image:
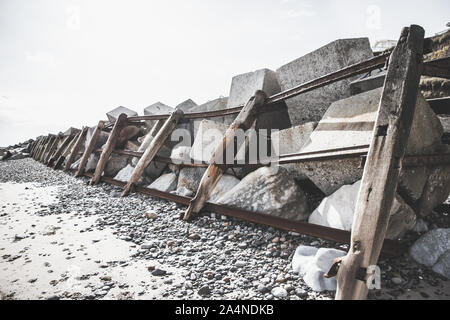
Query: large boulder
[155, 168]
[349, 123]
[71, 132]
[313, 263]
[102, 138]
[115, 113]
[311, 106]
[244, 86]
[185, 106]
[269, 190]
[292, 140]
[337, 211]
[433, 250]
[210, 134]
[225, 184]
[166, 182]
[368, 82]
[181, 154]
[124, 175]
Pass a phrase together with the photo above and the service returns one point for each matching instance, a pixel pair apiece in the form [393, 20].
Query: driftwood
[109, 147]
[89, 149]
[150, 152]
[217, 165]
[383, 165]
[76, 148]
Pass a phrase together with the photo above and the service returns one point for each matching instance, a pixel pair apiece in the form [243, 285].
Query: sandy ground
[55, 258]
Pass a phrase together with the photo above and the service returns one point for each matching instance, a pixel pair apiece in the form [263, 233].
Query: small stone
[194, 236]
[262, 288]
[397, 280]
[279, 292]
[240, 264]
[53, 298]
[151, 268]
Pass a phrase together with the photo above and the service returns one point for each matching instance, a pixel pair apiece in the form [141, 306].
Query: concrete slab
[115, 113]
[311, 106]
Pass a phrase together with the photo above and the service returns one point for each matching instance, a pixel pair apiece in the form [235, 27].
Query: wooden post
[66, 152]
[215, 171]
[383, 164]
[48, 147]
[52, 149]
[90, 148]
[59, 151]
[76, 148]
[33, 149]
[152, 149]
[42, 147]
[109, 147]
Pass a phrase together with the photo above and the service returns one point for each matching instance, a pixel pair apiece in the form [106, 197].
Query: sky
[67, 62]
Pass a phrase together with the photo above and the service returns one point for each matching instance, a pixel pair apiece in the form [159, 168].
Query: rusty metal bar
[440, 105]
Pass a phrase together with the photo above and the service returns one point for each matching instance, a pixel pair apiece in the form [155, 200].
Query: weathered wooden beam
[59, 151]
[90, 148]
[33, 148]
[42, 147]
[148, 138]
[217, 165]
[66, 151]
[76, 148]
[384, 162]
[109, 146]
[150, 152]
[437, 68]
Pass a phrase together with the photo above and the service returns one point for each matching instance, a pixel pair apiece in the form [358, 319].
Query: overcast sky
[67, 62]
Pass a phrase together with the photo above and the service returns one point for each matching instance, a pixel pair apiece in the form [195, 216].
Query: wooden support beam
[150, 152]
[59, 151]
[384, 162]
[437, 68]
[76, 148]
[52, 149]
[89, 149]
[48, 148]
[217, 165]
[66, 152]
[45, 148]
[109, 146]
[41, 148]
[149, 138]
[33, 148]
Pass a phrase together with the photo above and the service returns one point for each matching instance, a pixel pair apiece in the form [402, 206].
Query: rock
[368, 82]
[213, 105]
[132, 145]
[126, 134]
[430, 247]
[397, 280]
[279, 292]
[337, 210]
[186, 105]
[181, 154]
[5, 154]
[312, 264]
[189, 180]
[159, 273]
[156, 109]
[262, 288]
[166, 182]
[71, 132]
[155, 168]
[436, 190]
[349, 123]
[204, 291]
[194, 236]
[292, 140]
[311, 106]
[443, 265]
[301, 293]
[225, 184]
[115, 113]
[240, 263]
[53, 298]
[210, 134]
[420, 226]
[124, 175]
[115, 164]
[244, 86]
[269, 190]
[91, 164]
[18, 156]
[102, 138]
